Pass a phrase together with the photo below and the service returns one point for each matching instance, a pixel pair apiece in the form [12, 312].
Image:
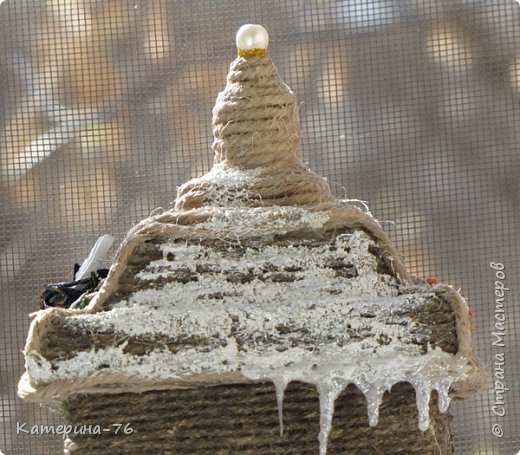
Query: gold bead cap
[248, 53]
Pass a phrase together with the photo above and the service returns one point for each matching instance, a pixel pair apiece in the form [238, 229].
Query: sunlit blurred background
[410, 105]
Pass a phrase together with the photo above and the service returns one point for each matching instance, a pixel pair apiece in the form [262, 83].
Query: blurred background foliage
[412, 106]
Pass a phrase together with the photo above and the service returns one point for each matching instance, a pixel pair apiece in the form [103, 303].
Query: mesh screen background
[412, 106]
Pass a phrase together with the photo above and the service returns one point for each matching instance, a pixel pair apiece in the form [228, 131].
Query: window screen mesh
[412, 106]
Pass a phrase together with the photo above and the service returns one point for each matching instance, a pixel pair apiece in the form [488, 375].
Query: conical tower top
[256, 134]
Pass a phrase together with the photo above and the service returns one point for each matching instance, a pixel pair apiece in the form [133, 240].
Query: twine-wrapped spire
[256, 131]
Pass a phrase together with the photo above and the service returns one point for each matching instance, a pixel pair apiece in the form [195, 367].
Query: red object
[432, 280]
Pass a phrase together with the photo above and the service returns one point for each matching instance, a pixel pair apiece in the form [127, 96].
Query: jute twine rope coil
[256, 127]
[255, 120]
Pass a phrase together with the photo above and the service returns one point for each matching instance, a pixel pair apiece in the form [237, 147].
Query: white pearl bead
[252, 36]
